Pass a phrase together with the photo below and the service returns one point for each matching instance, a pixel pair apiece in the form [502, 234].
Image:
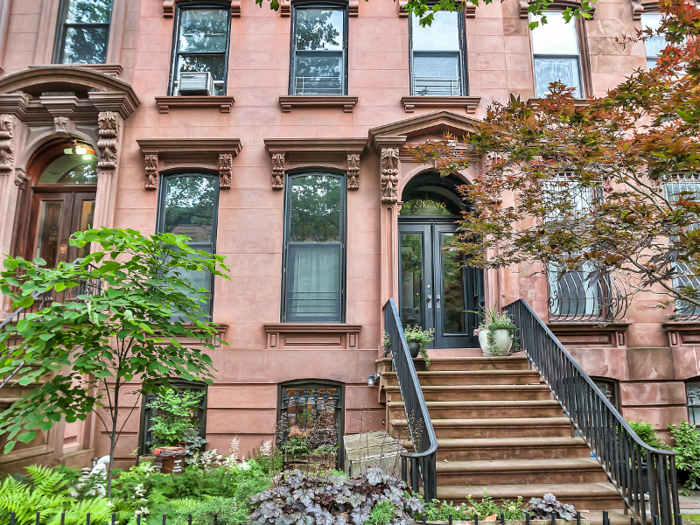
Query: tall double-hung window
[201, 44]
[83, 32]
[655, 44]
[319, 50]
[314, 254]
[188, 206]
[437, 56]
[556, 54]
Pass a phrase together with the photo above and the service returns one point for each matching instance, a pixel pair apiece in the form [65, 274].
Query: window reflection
[653, 45]
[436, 63]
[85, 32]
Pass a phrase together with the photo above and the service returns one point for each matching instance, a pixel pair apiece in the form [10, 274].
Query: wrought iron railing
[645, 477]
[418, 467]
[41, 301]
[573, 297]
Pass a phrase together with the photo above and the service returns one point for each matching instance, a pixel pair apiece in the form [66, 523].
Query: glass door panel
[412, 282]
[83, 219]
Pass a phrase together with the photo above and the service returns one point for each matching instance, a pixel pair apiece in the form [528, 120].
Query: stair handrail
[422, 461]
[40, 301]
[617, 447]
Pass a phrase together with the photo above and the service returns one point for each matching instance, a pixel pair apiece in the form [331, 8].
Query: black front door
[436, 289]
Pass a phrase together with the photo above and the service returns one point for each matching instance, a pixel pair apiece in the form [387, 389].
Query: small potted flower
[496, 334]
[418, 341]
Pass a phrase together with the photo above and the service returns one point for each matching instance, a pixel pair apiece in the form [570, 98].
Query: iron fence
[645, 477]
[418, 466]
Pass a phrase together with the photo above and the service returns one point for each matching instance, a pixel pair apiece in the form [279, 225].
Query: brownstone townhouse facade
[279, 139]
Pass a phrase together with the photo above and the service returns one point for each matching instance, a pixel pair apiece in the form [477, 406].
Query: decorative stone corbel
[225, 167]
[108, 124]
[390, 174]
[151, 171]
[60, 125]
[20, 178]
[353, 171]
[278, 171]
[7, 134]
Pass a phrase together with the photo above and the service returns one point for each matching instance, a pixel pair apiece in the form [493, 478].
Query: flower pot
[503, 342]
[414, 348]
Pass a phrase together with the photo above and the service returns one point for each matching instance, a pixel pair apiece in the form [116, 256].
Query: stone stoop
[500, 430]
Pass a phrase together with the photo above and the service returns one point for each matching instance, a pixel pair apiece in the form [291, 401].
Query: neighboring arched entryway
[436, 289]
[62, 184]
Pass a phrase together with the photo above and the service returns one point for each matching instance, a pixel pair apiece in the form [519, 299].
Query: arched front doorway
[60, 201]
[436, 289]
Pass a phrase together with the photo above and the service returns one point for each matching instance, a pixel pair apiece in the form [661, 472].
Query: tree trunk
[113, 438]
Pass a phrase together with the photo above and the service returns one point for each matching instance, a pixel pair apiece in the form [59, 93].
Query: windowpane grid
[84, 32]
[653, 45]
[318, 51]
[436, 56]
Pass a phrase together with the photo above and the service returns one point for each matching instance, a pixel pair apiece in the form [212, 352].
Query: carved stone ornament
[278, 171]
[20, 178]
[7, 133]
[60, 124]
[225, 163]
[107, 144]
[151, 171]
[353, 171]
[390, 174]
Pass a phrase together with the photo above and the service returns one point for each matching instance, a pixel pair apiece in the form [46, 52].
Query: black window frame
[613, 387]
[63, 26]
[215, 220]
[175, 54]
[581, 41]
[692, 384]
[145, 416]
[302, 385]
[293, 50]
[463, 70]
[289, 176]
[647, 12]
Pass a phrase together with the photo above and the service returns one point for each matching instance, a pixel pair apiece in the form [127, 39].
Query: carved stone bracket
[108, 124]
[225, 167]
[639, 6]
[151, 171]
[169, 7]
[340, 154]
[60, 125]
[164, 154]
[7, 153]
[277, 171]
[20, 178]
[353, 171]
[390, 175]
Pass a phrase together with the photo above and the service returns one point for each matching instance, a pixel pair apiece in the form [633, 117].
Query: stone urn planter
[503, 342]
[414, 348]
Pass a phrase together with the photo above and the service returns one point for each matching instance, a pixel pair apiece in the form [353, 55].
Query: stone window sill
[289, 102]
[108, 69]
[224, 103]
[467, 103]
[312, 335]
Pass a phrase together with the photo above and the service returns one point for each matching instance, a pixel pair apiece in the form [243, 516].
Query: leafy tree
[81, 353]
[596, 186]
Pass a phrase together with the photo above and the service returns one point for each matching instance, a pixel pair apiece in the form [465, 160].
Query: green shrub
[382, 513]
[647, 433]
[223, 511]
[687, 449]
[174, 419]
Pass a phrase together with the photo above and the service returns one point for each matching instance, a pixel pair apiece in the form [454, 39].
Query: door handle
[437, 302]
[428, 300]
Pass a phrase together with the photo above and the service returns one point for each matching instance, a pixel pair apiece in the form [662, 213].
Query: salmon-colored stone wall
[243, 401]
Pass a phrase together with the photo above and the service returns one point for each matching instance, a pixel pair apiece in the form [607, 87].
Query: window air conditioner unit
[196, 84]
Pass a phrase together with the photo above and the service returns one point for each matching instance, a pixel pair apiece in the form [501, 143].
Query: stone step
[474, 377]
[497, 427]
[583, 496]
[483, 409]
[536, 448]
[441, 364]
[520, 471]
[477, 393]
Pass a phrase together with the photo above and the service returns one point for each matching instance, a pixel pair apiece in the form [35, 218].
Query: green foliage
[647, 433]
[493, 320]
[382, 513]
[297, 446]
[210, 511]
[441, 511]
[175, 416]
[687, 447]
[415, 334]
[132, 329]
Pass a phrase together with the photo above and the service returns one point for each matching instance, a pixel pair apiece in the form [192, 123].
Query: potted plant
[496, 333]
[418, 341]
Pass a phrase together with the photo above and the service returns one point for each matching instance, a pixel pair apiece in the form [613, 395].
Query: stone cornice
[286, 7]
[555, 5]
[289, 102]
[224, 103]
[467, 103]
[312, 335]
[304, 146]
[169, 6]
[469, 9]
